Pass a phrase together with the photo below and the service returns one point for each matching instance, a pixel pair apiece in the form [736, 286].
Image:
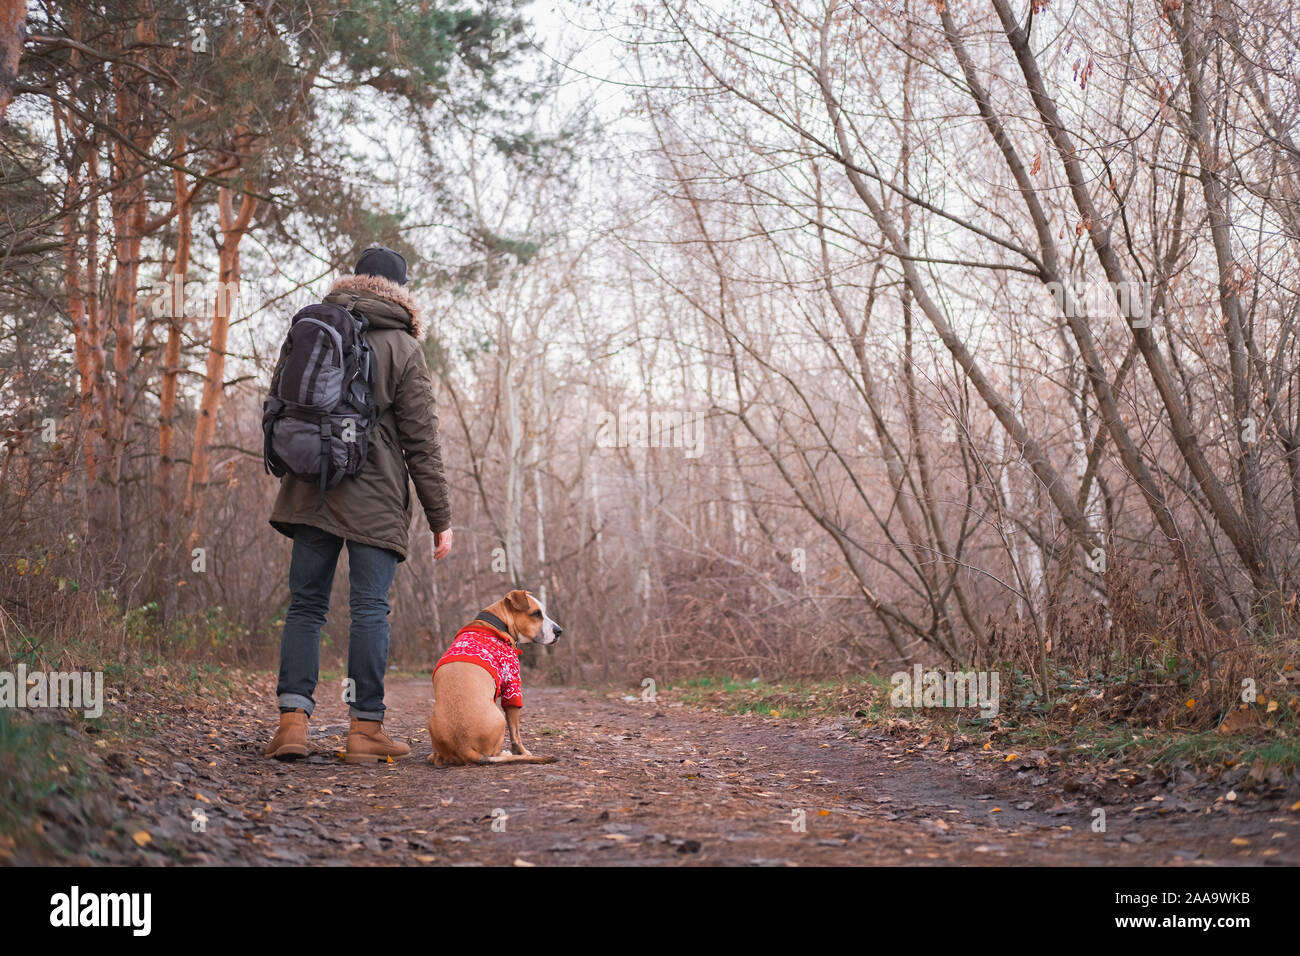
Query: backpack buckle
[353, 299]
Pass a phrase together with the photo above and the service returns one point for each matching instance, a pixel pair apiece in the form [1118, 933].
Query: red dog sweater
[476, 644]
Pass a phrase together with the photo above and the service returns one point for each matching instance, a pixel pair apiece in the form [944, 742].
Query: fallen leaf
[142, 837]
[1238, 720]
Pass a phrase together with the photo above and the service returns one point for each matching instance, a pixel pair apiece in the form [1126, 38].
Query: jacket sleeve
[415, 410]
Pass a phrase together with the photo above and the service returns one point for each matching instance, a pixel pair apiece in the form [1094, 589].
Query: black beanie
[382, 261]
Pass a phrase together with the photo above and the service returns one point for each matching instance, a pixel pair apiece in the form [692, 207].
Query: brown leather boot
[290, 741]
[367, 743]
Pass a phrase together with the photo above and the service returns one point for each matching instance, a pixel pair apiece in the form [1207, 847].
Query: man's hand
[441, 544]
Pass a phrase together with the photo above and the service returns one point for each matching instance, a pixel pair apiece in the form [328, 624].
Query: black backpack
[320, 414]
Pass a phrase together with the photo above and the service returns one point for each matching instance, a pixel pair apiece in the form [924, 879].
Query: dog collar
[487, 617]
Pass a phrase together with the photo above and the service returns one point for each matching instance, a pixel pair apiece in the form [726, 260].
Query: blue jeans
[311, 576]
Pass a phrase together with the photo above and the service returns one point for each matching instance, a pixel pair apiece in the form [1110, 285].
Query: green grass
[1024, 723]
[37, 761]
[844, 697]
[1101, 741]
[47, 753]
[1212, 747]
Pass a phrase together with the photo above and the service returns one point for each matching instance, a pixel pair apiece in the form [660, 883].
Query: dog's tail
[514, 758]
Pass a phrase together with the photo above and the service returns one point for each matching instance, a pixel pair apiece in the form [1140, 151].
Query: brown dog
[482, 664]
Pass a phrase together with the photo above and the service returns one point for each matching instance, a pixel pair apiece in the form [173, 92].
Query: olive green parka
[375, 507]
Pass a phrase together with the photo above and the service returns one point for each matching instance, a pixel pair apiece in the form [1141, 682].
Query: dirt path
[642, 782]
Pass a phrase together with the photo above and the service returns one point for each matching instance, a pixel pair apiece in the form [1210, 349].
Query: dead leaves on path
[639, 784]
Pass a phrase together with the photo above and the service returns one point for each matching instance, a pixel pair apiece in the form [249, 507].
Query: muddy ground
[638, 782]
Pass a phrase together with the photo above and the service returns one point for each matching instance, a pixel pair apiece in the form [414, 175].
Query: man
[370, 512]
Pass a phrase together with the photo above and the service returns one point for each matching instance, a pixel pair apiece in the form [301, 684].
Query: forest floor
[636, 782]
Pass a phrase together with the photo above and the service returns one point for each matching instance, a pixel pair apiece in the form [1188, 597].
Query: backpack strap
[326, 435]
[365, 370]
[271, 412]
[353, 299]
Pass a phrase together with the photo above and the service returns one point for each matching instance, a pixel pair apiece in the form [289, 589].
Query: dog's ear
[518, 600]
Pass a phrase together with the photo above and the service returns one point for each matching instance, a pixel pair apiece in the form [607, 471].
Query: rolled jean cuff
[297, 700]
[377, 715]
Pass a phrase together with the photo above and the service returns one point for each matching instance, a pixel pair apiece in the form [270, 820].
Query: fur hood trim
[385, 289]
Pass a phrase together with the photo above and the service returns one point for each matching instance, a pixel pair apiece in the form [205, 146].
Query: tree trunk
[233, 227]
[168, 389]
[13, 20]
[1254, 560]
